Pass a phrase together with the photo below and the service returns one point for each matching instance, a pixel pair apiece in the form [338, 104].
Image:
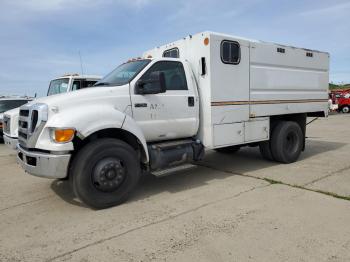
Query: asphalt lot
[228, 208]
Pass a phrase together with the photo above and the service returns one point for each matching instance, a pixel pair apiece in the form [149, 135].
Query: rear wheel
[345, 109]
[228, 150]
[105, 172]
[287, 142]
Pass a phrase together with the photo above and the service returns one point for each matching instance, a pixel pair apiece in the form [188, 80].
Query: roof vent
[309, 54]
[281, 50]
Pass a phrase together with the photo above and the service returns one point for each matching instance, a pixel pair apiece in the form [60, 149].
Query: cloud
[329, 11]
[40, 39]
[54, 5]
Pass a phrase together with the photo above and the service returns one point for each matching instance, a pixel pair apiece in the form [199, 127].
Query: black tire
[104, 173]
[345, 109]
[287, 142]
[265, 150]
[228, 150]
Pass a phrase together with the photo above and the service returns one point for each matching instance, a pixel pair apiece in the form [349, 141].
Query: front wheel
[345, 109]
[104, 173]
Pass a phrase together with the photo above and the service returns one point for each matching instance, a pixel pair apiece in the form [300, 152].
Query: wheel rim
[291, 143]
[345, 110]
[108, 174]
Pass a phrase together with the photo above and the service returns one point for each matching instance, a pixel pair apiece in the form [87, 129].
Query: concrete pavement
[228, 208]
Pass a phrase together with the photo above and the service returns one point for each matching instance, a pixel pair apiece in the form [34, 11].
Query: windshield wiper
[102, 84]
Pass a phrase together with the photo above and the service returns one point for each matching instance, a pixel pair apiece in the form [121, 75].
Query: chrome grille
[6, 125]
[24, 112]
[31, 122]
[23, 126]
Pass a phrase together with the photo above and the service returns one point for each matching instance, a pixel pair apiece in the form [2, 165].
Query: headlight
[62, 135]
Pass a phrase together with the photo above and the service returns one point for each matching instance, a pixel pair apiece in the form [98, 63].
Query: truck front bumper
[10, 142]
[43, 164]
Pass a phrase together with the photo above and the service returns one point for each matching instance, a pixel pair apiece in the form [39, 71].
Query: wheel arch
[118, 133]
[300, 119]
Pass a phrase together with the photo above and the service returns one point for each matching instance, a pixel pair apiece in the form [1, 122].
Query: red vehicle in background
[342, 97]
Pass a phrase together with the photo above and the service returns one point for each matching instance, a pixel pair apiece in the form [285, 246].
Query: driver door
[169, 115]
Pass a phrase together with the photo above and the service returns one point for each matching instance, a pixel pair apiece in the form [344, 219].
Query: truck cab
[164, 110]
[71, 82]
[64, 84]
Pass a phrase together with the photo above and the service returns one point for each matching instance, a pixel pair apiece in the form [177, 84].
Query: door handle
[140, 104]
[190, 101]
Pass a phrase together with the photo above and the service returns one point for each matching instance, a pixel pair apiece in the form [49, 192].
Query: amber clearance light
[64, 135]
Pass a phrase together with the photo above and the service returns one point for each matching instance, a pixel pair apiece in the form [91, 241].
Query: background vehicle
[7, 103]
[333, 102]
[343, 98]
[63, 84]
[206, 91]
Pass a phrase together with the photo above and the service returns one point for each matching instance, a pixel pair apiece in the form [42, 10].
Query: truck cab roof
[26, 98]
[78, 76]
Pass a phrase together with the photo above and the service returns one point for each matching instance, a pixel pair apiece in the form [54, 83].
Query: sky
[41, 39]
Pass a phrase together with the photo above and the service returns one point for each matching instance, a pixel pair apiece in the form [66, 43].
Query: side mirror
[155, 84]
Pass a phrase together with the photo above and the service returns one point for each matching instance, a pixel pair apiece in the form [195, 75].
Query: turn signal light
[64, 135]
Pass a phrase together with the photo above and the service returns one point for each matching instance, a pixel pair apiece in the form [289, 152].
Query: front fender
[131, 126]
[85, 120]
[88, 121]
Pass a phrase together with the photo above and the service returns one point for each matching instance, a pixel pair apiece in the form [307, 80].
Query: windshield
[58, 86]
[123, 74]
[6, 105]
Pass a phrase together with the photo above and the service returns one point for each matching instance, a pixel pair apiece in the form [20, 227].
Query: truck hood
[12, 112]
[117, 95]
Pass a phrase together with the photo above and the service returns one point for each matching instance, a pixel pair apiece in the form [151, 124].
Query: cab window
[6, 105]
[58, 86]
[82, 83]
[88, 83]
[174, 73]
[76, 85]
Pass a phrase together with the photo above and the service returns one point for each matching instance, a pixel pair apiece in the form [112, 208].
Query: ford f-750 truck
[63, 84]
[206, 91]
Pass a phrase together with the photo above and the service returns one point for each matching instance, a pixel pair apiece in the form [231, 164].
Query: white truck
[206, 91]
[63, 84]
[8, 103]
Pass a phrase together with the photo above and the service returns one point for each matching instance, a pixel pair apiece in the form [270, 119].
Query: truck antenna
[81, 63]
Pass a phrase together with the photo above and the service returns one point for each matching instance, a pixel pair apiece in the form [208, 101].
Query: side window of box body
[230, 52]
[172, 53]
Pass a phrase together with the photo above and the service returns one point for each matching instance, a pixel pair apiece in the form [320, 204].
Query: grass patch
[335, 86]
[330, 194]
[311, 190]
[271, 181]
